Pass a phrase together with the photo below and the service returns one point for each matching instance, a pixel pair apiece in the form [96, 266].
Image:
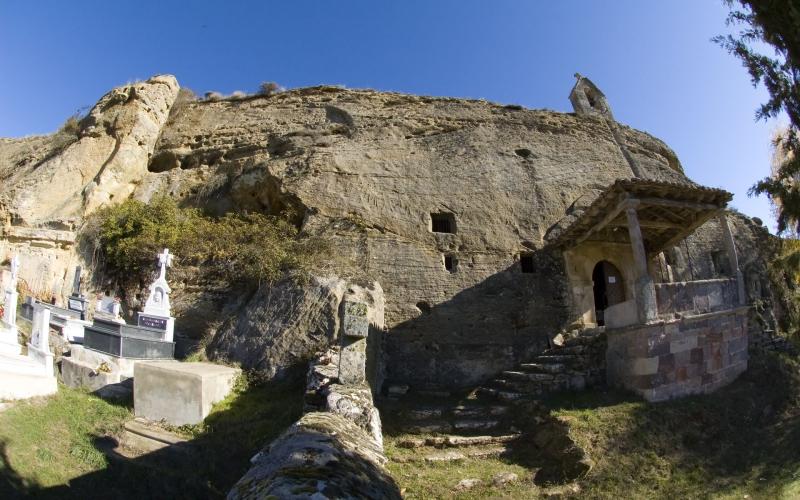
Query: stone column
[8, 325]
[39, 346]
[730, 246]
[354, 332]
[644, 289]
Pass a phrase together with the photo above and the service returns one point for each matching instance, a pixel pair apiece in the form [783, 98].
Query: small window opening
[720, 262]
[592, 101]
[443, 223]
[450, 263]
[526, 263]
[424, 307]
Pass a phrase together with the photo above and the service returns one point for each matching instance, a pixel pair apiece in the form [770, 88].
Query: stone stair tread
[431, 426]
[456, 441]
[534, 377]
[140, 428]
[544, 367]
[454, 456]
[424, 413]
[475, 424]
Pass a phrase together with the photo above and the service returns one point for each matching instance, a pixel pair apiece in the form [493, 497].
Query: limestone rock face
[282, 326]
[110, 157]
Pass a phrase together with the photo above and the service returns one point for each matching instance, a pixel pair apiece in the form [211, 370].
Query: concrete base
[82, 369]
[22, 378]
[179, 393]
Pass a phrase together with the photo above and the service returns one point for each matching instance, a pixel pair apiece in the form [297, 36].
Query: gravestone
[108, 308]
[8, 325]
[77, 302]
[39, 346]
[353, 356]
[156, 313]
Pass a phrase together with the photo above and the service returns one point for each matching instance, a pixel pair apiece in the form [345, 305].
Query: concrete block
[179, 393]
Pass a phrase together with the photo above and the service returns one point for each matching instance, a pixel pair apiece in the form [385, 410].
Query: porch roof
[668, 212]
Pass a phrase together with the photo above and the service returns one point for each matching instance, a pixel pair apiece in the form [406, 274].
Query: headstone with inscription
[77, 302]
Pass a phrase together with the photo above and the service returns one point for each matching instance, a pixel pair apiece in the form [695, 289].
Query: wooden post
[644, 291]
[730, 246]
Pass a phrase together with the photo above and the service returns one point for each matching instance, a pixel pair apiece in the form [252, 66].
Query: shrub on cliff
[237, 247]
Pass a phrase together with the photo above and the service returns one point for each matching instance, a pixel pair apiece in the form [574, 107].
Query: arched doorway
[608, 288]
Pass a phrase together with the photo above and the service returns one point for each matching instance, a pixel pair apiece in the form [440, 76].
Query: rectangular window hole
[443, 223]
[526, 263]
[450, 263]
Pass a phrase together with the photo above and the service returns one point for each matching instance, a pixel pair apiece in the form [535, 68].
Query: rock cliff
[371, 171]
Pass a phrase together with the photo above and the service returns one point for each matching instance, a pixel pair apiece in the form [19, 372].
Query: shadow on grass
[212, 461]
[742, 438]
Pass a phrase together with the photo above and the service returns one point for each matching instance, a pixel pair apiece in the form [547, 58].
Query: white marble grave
[8, 324]
[156, 313]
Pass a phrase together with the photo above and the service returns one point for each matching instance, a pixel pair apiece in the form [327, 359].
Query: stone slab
[179, 393]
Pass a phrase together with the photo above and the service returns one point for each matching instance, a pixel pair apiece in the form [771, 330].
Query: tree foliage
[776, 23]
[237, 247]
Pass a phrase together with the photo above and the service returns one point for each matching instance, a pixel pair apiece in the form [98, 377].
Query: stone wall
[670, 359]
[696, 296]
[336, 448]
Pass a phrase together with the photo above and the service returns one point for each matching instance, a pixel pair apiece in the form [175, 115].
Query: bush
[236, 248]
[269, 88]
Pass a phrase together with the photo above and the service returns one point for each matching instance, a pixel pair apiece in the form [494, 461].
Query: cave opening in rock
[443, 222]
[526, 263]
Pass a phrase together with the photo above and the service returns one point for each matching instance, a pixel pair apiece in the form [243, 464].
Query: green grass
[46, 442]
[741, 442]
[52, 448]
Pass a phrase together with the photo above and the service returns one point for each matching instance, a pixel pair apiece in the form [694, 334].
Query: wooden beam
[699, 221]
[697, 207]
[652, 224]
[622, 205]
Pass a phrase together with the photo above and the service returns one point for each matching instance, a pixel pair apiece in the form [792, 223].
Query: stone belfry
[588, 100]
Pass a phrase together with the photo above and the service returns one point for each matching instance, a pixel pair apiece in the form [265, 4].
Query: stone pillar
[39, 346]
[644, 288]
[8, 326]
[730, 246]
[354, 332]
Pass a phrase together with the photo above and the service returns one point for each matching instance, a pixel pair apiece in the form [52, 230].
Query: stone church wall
[695, 355]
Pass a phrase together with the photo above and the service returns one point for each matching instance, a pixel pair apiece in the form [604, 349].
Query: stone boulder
[282, 326]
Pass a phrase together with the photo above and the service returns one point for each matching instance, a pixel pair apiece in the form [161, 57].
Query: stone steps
[140, 436]
[446, 426]
[457, 441]
[452, 455]
[552, 368]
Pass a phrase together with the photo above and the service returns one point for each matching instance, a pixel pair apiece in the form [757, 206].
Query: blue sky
[653, 59]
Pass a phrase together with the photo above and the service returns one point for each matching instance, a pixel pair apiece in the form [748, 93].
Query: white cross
[164, 261]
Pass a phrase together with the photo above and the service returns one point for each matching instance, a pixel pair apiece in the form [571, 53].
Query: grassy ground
[52, 448]
[741, 442]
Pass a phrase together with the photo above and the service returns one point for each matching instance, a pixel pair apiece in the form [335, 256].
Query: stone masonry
[692, 355]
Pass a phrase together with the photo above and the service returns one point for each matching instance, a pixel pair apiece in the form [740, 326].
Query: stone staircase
[481, 420]
[573, 366]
